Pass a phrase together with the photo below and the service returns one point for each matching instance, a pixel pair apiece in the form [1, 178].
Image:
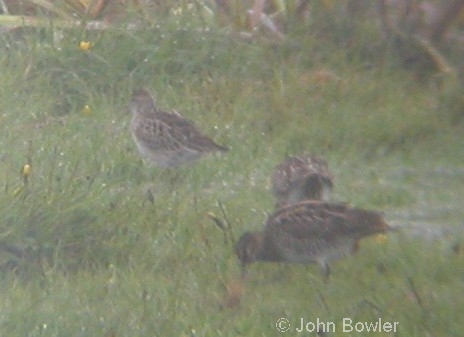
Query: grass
[110, 246]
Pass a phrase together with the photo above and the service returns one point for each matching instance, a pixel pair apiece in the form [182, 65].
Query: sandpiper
[166, 138]
[300, 178]
[309, 232]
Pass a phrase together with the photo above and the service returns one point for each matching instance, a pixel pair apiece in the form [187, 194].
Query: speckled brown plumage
[166, 138]
[300, 178]
[310, 232]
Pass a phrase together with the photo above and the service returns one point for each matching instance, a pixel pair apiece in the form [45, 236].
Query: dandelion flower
[86, 110]
[85, 45]
[380, 238]
[26, 171]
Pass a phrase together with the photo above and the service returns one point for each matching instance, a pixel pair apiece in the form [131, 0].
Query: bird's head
[248, 248]
[141, 101]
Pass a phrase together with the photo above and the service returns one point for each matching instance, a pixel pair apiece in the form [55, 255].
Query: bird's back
[311, 230]
[301, 177]
[185, 134]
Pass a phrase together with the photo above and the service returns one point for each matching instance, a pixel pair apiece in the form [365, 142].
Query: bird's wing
[309, 219]
[184, 133]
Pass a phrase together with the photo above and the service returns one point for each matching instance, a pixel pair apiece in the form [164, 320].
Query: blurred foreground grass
[98, 243]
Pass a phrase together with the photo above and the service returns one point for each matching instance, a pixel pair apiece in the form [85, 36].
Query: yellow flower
[86, 110]
[85, 45]
[381, 238]
[26, 171]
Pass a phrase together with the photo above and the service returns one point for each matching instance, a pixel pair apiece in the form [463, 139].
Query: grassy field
[96, 242]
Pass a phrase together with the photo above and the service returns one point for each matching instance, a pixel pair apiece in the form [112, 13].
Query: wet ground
[438, 209]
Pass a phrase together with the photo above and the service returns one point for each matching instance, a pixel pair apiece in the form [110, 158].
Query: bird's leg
[173, 177]
[355, 248]
[325, 271]
[244, 271]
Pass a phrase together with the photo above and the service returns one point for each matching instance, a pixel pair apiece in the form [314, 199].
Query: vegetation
[96, 242]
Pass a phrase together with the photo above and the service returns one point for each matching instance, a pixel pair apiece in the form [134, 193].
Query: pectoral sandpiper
[301, 178]
[309, 232]
[166, 138]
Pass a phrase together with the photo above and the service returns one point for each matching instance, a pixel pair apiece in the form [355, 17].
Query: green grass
[99, 258]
